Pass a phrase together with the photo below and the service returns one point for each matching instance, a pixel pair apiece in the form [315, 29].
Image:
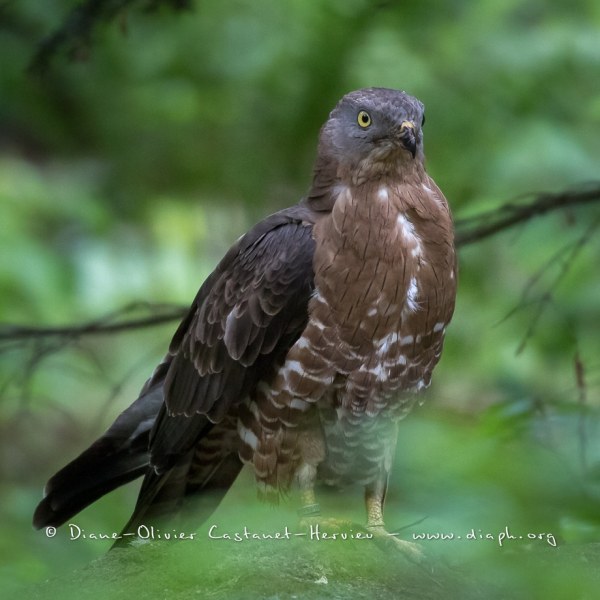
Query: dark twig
[469, 231]
[117, 387]
[582, 400]
[163, 314]
[526, 301]
[490, 223]
[546, 297]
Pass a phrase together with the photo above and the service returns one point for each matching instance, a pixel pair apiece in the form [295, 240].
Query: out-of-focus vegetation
[126, 173]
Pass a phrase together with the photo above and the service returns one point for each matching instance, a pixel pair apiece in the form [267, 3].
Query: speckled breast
[384, 295]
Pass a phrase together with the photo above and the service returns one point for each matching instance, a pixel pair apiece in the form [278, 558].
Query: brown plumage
[307, 343]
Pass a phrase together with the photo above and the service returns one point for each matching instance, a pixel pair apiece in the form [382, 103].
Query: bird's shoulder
[247, 313]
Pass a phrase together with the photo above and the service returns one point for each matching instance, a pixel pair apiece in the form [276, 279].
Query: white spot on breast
[299, 404]
[420, 385]
[371, 312]
[407, 231]
[382, 194]
[439, 326]
[294, 365]
[317, 297]
[379, 371]
[248, 436]
[384, 344]
[406, 228]
[316, 323]
[406, 340]
[411, 295]
[302, 343]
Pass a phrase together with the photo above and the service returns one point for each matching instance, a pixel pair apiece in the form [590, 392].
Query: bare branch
[490, 223]
[160, 314]
[469, 230]
[582, 401]
[565, 266]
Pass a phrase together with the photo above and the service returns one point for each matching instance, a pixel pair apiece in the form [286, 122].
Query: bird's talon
[389, 541]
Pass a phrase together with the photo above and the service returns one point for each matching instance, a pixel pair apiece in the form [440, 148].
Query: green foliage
[127, 173]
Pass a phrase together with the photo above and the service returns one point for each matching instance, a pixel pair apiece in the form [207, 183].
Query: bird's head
[374, 127]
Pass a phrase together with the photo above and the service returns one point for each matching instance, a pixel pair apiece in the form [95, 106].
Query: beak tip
[409, 137]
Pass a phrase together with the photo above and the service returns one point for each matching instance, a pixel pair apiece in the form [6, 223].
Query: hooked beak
[408, 137]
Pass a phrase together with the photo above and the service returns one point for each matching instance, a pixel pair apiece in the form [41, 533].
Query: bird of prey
[306, 345]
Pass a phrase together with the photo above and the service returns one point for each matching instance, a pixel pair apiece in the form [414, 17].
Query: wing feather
[243, 321]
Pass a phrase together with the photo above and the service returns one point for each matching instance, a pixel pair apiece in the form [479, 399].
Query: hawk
[306, 345]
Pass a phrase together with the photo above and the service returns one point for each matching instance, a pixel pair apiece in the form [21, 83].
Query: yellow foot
[391, 542]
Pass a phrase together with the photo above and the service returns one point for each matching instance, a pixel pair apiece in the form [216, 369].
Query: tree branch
[160, 314]
[469, 231]
[508, 215]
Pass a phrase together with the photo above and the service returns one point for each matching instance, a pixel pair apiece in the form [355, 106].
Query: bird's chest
[380, 298]
[363, 265]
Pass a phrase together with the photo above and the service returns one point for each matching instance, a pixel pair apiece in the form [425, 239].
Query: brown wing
[243, 321]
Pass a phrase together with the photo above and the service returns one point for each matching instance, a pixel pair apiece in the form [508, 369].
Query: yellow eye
[364, 119]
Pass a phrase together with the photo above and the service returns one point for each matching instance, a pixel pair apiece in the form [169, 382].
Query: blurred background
[134, 155]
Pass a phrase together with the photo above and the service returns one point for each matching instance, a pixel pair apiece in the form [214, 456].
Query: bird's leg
[374, 501]
[312, 453]
[307, 475]
[311, 445]
[310, 511]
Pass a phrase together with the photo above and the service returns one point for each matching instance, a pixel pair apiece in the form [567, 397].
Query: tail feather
[191, 465]
[160, 496]
[61, 503]
[193, 487]
[119, 456]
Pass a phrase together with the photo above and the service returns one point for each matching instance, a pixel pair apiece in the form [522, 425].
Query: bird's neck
[403, 170]
[329, 177]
